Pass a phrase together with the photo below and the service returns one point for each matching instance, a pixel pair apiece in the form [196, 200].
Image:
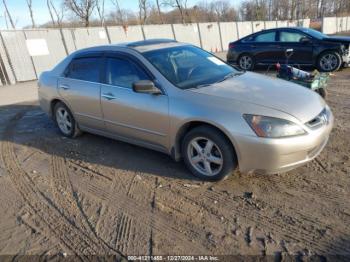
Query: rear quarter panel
[47, 91]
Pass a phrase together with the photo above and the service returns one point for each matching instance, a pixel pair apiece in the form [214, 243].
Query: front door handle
[65, 87]
[109, 96]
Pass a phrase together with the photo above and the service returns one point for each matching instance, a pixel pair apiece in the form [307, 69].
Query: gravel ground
[93, 195]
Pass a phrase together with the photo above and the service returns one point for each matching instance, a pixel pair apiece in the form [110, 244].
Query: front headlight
[272, 127]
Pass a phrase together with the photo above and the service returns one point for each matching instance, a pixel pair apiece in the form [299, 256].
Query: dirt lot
[94, 195]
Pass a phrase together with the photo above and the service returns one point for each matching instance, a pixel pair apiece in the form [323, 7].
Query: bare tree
[9, 15]
[82, 9]
[5, 17]
[119, 12]
[100, 6]
[30, 7]
[159, 12]
[48, 3]
[59, 13]
[181, 5]
[143, 11]
[221, 8]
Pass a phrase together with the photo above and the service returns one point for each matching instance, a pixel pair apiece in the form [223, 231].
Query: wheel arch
[53, 103]
[188, 126]
[326, 51]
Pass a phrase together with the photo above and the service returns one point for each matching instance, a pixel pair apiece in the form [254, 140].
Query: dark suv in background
[326, 53]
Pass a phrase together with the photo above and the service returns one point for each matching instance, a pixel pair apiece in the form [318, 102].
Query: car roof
[140, 46]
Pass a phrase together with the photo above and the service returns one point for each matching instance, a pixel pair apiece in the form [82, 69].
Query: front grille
[320, 120]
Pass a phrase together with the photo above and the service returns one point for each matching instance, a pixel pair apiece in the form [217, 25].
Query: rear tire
[65, 121]
[329, 61]
[246, 62]
[208, 154]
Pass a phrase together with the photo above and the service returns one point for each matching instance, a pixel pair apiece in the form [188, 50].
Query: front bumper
[272, 156]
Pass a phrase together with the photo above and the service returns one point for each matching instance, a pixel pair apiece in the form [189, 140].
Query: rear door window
[86, 69]
[266, 37]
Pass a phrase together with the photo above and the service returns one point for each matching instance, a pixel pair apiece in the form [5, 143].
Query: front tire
[65, 121]
[329, 61]
[208, 154]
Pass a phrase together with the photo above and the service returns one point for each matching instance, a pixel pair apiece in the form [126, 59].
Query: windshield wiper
[230, 75]
[204, 85]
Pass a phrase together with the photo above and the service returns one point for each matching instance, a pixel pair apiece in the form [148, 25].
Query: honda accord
[181, 100]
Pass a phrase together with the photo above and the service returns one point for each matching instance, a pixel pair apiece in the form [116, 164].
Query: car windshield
[314, 33]
[189, 67]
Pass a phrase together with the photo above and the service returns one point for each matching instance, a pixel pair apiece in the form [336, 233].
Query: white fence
[25, 54]
[333, 25]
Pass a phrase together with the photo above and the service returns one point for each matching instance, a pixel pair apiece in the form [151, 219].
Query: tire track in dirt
[250, 213]
[50, 218]
[67, 200]
[135, 238]
[139, 212]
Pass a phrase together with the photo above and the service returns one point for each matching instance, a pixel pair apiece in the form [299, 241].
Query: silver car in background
[181, 100]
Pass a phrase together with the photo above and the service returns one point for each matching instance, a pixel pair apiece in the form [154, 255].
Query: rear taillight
[231, 45]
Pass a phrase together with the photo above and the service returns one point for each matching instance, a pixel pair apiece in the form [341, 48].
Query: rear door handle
[109, 96]
[65, 87]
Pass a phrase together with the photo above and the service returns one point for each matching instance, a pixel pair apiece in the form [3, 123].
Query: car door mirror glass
[145, 86]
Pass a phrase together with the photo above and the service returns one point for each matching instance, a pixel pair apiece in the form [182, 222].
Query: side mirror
[145, 86]
[305, 40]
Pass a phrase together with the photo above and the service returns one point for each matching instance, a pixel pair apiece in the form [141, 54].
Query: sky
[20, 14]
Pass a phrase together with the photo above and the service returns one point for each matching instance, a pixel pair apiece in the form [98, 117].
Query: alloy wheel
[205, 156]
[329, 62]
[64, 120]
[245, 62]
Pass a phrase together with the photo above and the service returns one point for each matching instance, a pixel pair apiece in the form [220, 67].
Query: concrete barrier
[187, 33]
[228, 33]
[329, 25]
[69, 40]
[19, 58]
[55, 47]
[92, 36]
[210, 35]
[292, 23]
[270, 24]
[348, 23]
[244, 29]
[341, 24]
[158, 31]
[282, 23]
[258, 26]
[306, 23]
[7, 73]
[119, 34]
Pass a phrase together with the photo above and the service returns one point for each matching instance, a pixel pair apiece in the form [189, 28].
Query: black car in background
[310, 47]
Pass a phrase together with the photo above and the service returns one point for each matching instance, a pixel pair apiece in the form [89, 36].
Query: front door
[302, 51]
[135, 116]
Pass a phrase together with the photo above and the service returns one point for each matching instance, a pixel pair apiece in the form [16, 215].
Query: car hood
[340, 39]
[269, 92]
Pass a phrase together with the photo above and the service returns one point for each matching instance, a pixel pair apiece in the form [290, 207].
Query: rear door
[264, 47]
[134, 116]
[80, 89]
[291, 39]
